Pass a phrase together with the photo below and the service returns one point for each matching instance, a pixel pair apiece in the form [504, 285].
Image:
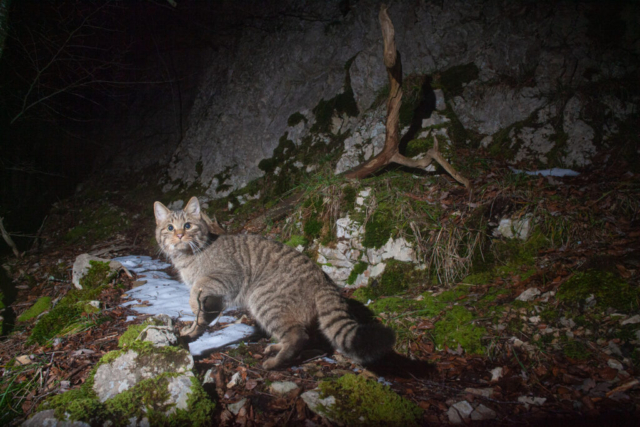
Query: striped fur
[283, 289]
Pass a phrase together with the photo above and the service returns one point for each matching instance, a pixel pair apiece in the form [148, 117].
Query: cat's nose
[179, 236]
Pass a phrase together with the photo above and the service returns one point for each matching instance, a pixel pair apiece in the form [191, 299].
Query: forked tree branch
[391, 151]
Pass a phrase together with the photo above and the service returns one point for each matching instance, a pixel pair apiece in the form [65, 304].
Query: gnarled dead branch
[391, 151]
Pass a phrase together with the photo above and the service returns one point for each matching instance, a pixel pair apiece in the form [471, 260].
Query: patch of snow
[211, 341]
[559, 172]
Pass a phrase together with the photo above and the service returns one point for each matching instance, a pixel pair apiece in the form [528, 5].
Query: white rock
[127, 370]
[511, 229]
[377, 270]
[529, 295]
[82, 265]
[234, 408]
[347, 228]
[398, 249]
[483, 413]
[535, 319]
[613, 363]
[463, 408]
[316, 404]
[496, 374]
[235, 380]
[374, 256]
[631, 320]
[282, 387]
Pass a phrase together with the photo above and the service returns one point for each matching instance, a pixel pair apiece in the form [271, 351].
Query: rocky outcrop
[534, 68]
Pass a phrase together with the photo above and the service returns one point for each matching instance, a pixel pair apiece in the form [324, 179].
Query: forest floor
[540, 330]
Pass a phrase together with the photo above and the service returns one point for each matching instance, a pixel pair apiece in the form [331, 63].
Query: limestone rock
[528, 295]
[282, 387]
[130, 368]
[316, 404]
[81, 266]
[514, 229]
[483, 413]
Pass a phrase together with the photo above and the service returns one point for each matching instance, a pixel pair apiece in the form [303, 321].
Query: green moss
[312, 228]
[99, 274]
[397, 277]
[413, 87]
[349, 195]
[483, 278]
[67, 315]
[455, 328]
[359, 268]
[419, 146]
[296, 240]
[296, 118]
[377, 231]
[452, 80]
[363, 402]
[608, 289]
[41, 305]
[514, 251]
[132, 332]
[576, 350]
[145, 399]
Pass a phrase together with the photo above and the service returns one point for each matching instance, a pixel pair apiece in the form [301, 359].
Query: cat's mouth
[185, 246]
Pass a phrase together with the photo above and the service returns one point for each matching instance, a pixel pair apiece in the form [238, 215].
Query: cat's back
[258, 257]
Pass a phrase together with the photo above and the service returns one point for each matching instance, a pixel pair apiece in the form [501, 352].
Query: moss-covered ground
[365, 402]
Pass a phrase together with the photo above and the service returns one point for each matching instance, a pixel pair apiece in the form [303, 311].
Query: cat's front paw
[193, 331]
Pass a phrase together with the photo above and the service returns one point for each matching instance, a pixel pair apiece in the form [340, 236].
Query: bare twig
[8, 239]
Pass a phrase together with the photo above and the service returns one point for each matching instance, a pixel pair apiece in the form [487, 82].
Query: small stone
[496, 374]
[234, 408]
[613, 363]
[483, 413]
[631, 320]
[535, 319]
[528, 295]
[48, 418]
[317, 405]
[235, 380]
[464, 408]
[282, 387]
[454, 416]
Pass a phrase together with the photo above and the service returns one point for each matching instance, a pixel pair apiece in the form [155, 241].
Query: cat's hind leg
[292, 341]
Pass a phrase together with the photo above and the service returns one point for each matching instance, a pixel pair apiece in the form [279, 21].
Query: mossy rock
[41, 305]
[98, 223]
[608, 289]
[72, 309]
[358, 269]
[147, 399]
[359, 401]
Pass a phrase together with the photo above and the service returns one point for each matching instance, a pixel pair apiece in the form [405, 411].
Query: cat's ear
[193, 207]
[161, 211]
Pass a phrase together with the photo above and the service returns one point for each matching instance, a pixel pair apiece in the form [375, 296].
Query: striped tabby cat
[283, 290]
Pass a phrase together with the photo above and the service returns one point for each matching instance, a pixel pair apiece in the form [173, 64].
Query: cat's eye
[170, 227]
[187, 226]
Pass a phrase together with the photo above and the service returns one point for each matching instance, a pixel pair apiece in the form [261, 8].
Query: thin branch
[8, 239]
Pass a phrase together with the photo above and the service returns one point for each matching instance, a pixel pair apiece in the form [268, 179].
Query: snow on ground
[549, 172]
[164, 295]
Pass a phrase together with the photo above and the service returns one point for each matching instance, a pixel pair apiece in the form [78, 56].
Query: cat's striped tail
[363, 342]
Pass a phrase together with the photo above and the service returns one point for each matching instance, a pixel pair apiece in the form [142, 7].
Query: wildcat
[284, 290]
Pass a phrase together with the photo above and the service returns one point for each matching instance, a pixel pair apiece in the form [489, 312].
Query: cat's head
[183, 231]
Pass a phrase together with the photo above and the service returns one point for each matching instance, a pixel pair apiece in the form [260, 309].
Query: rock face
[521, 61]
